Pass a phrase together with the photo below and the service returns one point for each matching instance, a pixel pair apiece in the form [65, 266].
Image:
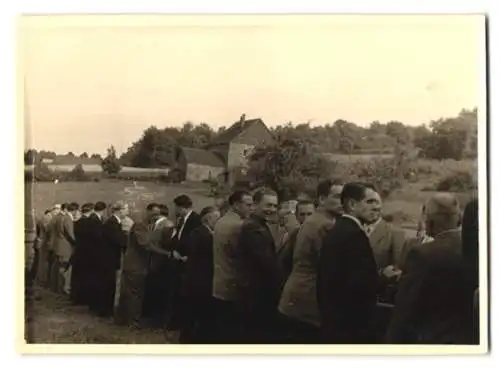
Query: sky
[91, 82]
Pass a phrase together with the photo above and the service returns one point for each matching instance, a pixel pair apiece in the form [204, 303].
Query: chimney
[242, 119]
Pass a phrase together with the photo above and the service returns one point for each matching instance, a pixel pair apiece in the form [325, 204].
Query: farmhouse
[225, 158]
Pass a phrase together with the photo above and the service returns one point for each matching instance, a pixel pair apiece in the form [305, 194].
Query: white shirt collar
[356, 220]
[117, 219]
[70, 216]
[187, 215]
[184, 223]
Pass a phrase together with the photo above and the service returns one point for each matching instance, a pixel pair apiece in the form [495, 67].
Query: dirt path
[53, 319]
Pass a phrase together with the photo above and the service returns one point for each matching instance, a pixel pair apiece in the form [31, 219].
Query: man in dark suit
[347, 277]
[260, 278]
[80, 259]
[433, 302]
[95, 246]
[197, 281]
[470, 249]
[187, 221]
[114, 244]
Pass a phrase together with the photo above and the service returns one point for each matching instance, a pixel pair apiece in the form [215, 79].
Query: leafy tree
[84, 155]
[289, 166]
[30, 156]
[96, 156]
[110, 164]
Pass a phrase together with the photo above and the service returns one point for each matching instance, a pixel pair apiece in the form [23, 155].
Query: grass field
[46, 194]
[53, 319]
[404, 204]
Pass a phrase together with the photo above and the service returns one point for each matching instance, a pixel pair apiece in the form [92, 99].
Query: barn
[198, 164]
[225, 158]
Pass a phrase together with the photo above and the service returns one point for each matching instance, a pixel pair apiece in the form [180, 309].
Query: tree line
[445, 138]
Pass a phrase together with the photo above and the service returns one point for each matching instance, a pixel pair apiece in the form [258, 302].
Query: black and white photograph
[255, 180]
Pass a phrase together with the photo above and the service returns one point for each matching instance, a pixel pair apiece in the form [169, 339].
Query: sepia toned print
[244, 180]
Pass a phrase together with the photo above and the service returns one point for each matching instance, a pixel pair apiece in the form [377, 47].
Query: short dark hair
[87, 207]
[354, 190]
[47, 212]
[150, 206]
[164, 209]
[205, 211]
[237, 196]
[324, 187]
[261, 193]
[183, 201]
[73, 206]
[100, 206]
[64, 206]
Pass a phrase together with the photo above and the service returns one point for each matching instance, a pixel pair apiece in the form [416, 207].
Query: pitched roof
[75, 160]
[201, 157]
[234, 131]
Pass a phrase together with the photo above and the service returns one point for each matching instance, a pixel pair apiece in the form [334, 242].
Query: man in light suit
[64, 237]
[387, 243]
[298, 301]
[433, 302]
[135, 268]
[227, 266]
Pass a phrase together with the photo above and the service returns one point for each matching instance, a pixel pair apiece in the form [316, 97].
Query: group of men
[254, 271]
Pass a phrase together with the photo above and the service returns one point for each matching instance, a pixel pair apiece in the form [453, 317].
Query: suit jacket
[387, 244]
[136, 258]
[260, 280]
[198, 270]
[83, 237]
[285, 252]
[162, 236]
[470, 237]
[114, 243]
[298, 299]
[226, 256]
[192, 222]
[64, 237]
[95, 238]
[347, 284]
[433, 303]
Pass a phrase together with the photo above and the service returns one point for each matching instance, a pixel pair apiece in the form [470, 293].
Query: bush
[461, 181]
[77, 174]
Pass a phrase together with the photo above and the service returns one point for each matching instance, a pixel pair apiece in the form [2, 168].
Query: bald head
[442, 212]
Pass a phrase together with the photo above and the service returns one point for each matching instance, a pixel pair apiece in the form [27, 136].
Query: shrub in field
[461, 181]
[77, 174]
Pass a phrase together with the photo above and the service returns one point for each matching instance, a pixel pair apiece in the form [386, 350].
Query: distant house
[67, 163]
[226, 157]
[199, 164]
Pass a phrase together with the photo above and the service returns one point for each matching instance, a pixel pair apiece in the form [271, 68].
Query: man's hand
[391, 272]
[176, 255]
